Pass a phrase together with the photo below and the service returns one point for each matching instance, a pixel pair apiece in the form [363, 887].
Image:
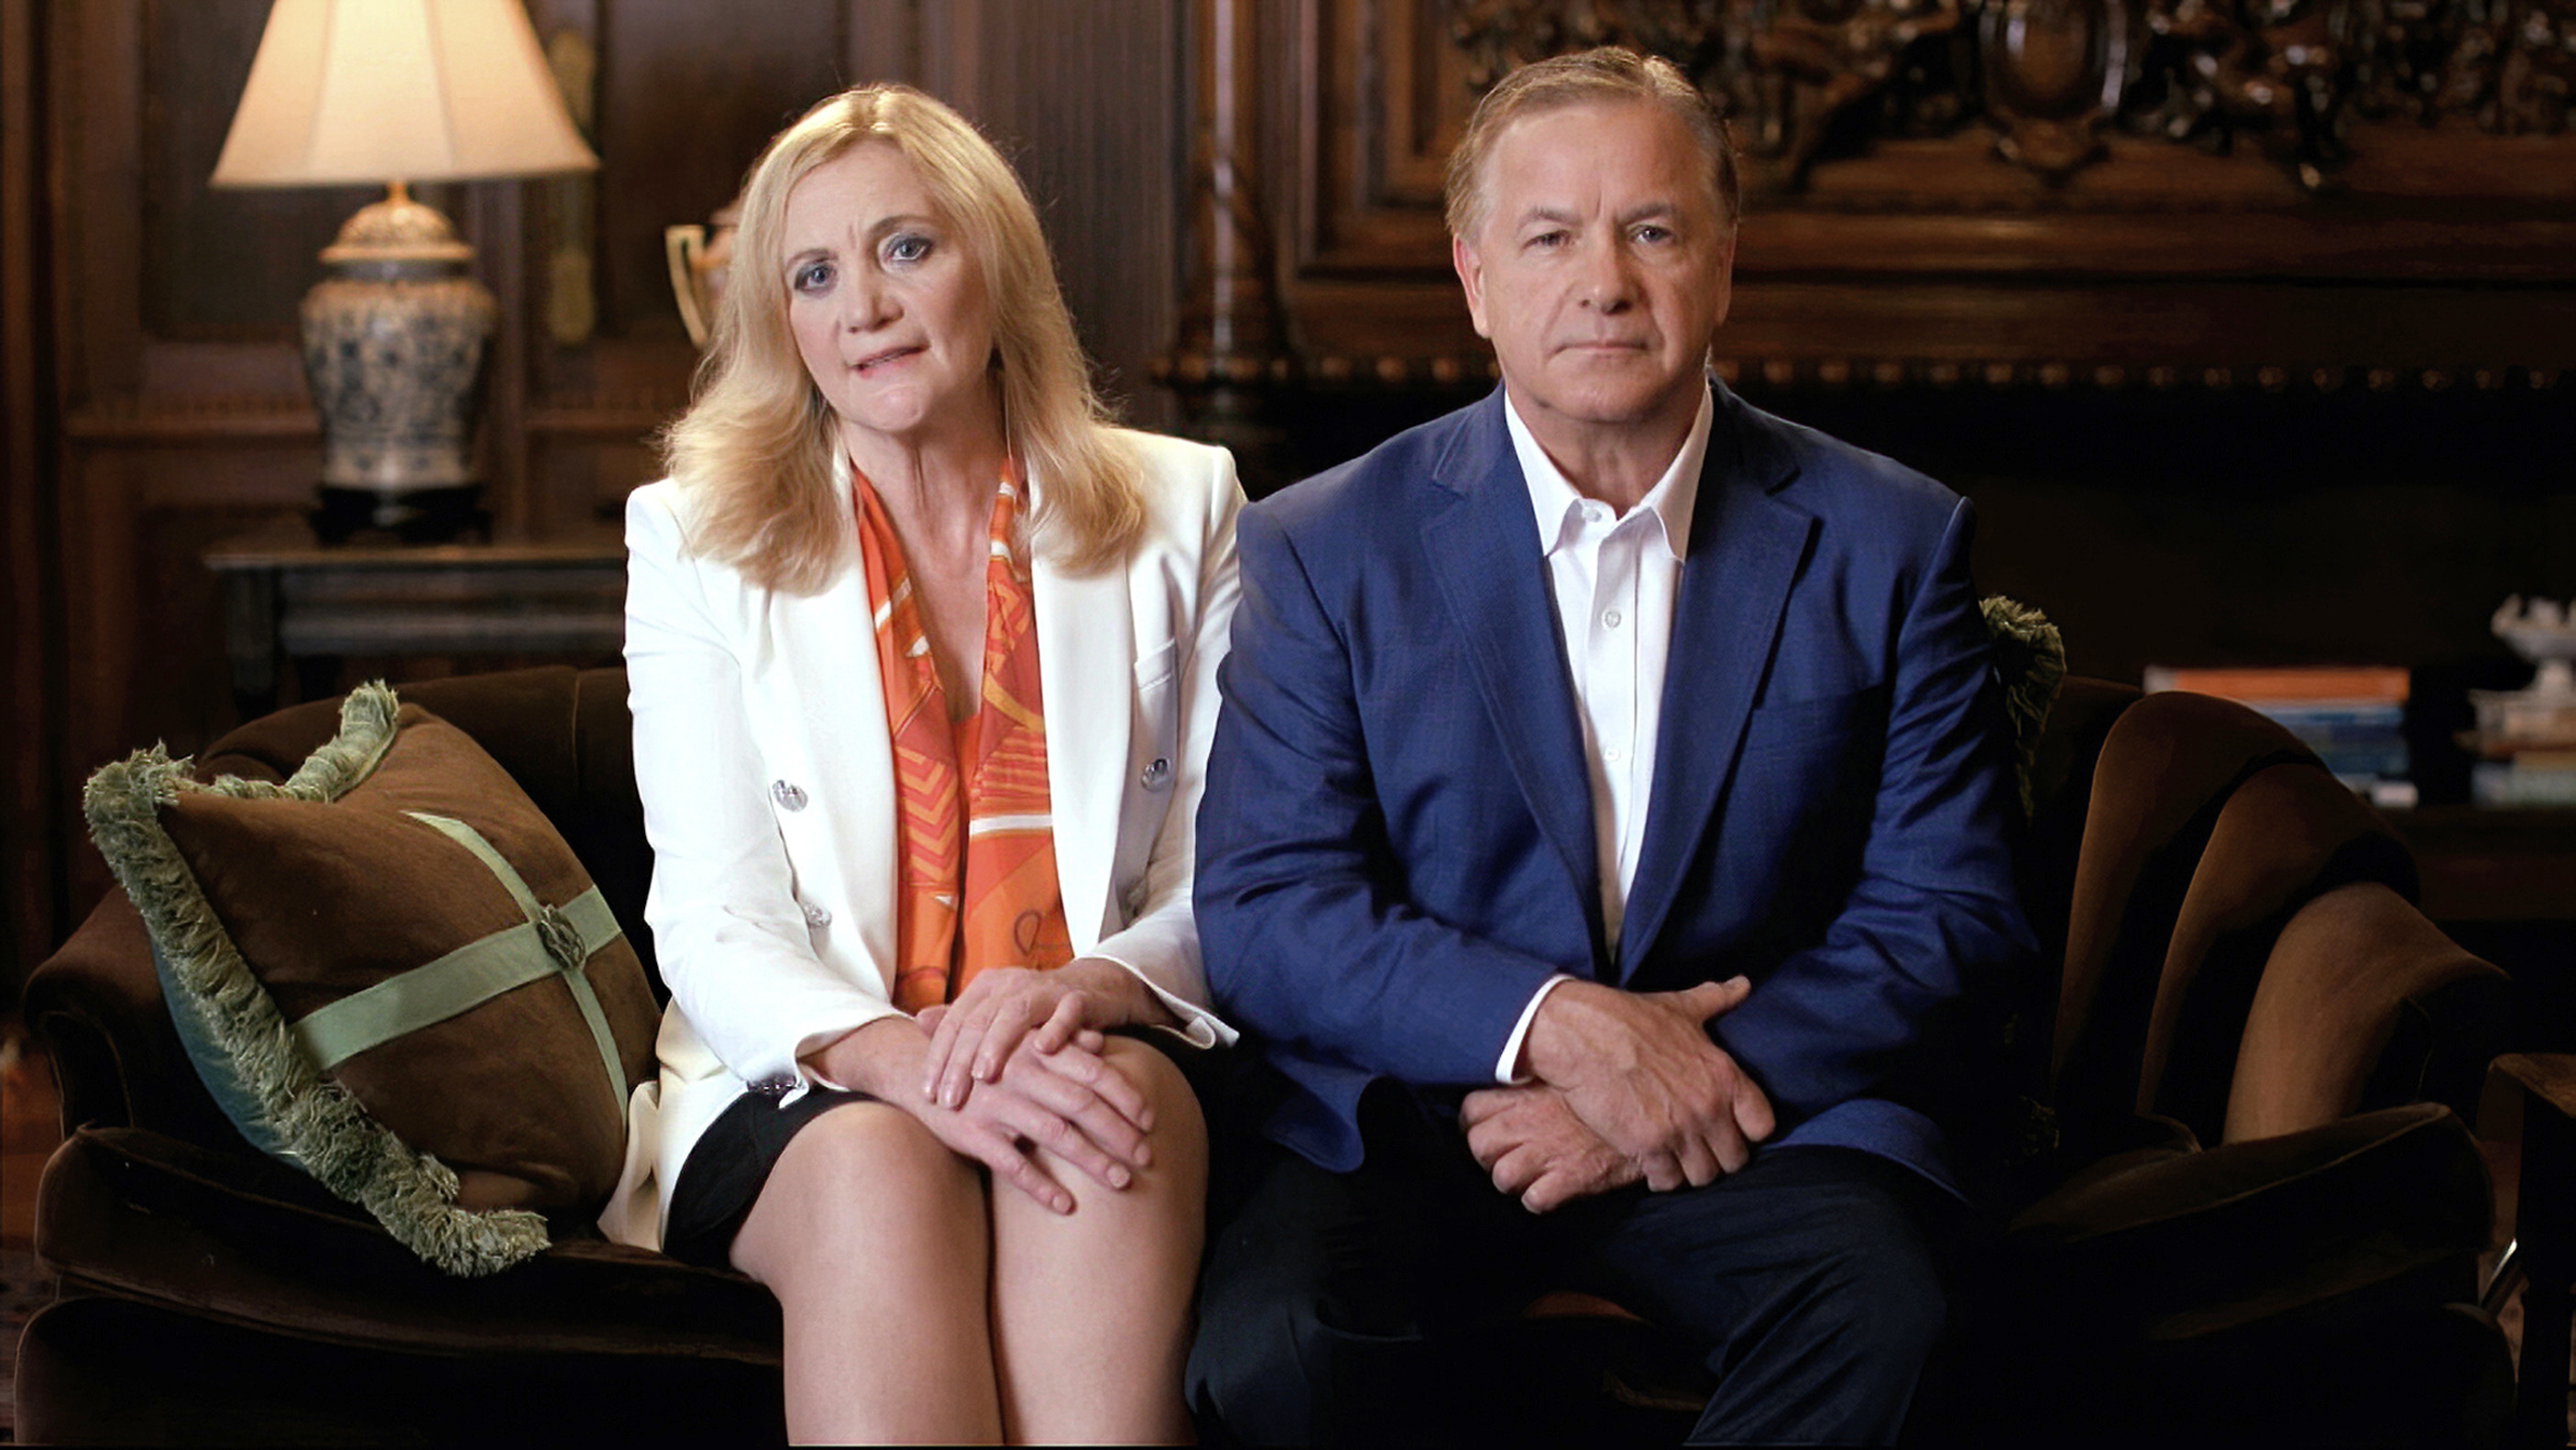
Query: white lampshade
[409, 90]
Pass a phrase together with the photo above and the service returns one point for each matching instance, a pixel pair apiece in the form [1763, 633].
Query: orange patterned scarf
[977, 879]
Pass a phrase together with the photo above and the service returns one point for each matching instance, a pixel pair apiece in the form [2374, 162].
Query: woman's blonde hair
[758, 439]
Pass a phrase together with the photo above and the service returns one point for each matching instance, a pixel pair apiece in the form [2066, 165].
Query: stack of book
[2529, 776]
[2354, 718]
[2526, 744]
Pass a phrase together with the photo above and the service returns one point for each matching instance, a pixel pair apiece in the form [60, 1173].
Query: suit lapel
[1746, 547]
[1484, 551]
[1087, 676]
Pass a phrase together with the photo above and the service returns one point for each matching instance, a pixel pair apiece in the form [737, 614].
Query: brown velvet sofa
[2236, 1196]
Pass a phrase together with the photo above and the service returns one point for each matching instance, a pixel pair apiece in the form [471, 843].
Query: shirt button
[789, 795]
[1611, 618]
[1614, 755]
[817, 916]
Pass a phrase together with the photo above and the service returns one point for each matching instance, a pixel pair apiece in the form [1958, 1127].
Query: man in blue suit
[1604, 837]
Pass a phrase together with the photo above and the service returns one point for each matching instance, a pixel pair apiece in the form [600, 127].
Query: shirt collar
[1555, 502]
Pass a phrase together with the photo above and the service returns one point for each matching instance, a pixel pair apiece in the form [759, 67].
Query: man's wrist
[1559, 1046]
[1512, 1069]
[1121, 988]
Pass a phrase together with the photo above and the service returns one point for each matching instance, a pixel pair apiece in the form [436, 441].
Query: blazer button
[788, 794]
[1157, 775]
[773, 1087]
[816, 916]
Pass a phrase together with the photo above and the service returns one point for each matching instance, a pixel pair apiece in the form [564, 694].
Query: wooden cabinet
[296, 607]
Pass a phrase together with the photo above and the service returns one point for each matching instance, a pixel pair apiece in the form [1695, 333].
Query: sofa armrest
[96, 1006]
[2171, 1245]
[246, 1240]
[2363, 1001]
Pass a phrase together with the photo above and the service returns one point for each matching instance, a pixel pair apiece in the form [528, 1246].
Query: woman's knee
[1178, 1125]
[872, 1170]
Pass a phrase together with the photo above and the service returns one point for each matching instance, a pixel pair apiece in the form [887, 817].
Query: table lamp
[397, 331]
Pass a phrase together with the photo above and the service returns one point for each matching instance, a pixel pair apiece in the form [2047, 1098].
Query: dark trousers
[1333, 1305]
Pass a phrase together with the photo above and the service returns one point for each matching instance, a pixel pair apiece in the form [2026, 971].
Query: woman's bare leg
[1091, 1310]
[875, 1239]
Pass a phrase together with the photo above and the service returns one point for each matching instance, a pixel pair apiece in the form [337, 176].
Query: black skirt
[728, 1166]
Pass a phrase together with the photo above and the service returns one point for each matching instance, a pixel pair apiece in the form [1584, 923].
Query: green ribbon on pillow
[553, 941]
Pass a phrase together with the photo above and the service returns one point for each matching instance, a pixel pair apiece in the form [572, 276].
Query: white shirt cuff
[1198, 1027]
[1520, 1030]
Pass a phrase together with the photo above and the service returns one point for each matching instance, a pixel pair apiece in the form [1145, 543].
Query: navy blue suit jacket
[1396, 844]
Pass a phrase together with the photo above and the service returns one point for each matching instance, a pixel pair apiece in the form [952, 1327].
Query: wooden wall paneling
[1088, 112]
[885, 41]
[1234, 356]
[951, 53]
[31, 838]
[1381, 124]
[218, 266]
[493, 218]
[141, 615]
[1373, 126]
[182, 406]
[2481, 225]
[92, 55]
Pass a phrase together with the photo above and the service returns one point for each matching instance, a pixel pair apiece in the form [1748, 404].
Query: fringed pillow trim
[319, 1124]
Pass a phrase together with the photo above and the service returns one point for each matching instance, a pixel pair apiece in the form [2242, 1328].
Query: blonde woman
[922, 656]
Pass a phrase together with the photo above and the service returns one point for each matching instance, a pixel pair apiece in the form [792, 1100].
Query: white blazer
[767, 775]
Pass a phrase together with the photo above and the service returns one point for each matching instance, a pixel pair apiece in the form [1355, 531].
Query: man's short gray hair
[1608, 73]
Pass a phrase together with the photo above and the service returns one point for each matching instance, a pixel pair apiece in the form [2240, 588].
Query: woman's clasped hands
[1016, 1064]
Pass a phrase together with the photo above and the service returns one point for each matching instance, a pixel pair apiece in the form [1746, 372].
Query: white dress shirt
[1613, 576]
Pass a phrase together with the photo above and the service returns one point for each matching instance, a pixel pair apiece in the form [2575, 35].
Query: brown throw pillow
[393, 973]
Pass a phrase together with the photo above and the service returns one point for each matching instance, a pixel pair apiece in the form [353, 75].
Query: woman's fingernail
[1118, 1177]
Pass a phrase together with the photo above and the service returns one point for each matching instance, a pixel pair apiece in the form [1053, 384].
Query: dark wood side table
[290, 600]
[2545, 1239]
